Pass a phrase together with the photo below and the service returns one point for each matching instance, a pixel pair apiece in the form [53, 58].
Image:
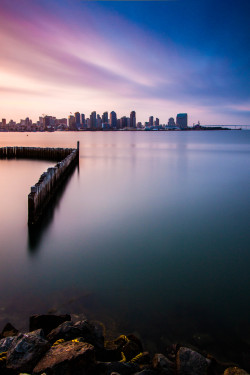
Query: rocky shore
[55, 345]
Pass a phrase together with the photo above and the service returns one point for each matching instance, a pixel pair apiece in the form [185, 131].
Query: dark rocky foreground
[57, 346]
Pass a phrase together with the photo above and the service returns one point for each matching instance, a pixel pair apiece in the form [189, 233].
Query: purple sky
[157, 58]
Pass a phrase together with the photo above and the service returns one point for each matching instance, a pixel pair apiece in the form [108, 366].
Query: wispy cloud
[80, 54]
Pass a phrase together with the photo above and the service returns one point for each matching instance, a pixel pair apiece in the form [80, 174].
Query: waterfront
[149, 235]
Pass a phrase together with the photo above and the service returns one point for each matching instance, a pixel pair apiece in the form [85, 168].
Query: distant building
[171, 121]
[105, 118]
[123, 122]
[113, 119]
[71, 122]
[157, 122]
[93, 122]
[78, 120]
[132, 119]
[83, 119]
[3, 121]
[151, 121]
[182, 120]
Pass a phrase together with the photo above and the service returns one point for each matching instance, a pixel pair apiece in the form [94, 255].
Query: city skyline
[95, 121]
[171, 57]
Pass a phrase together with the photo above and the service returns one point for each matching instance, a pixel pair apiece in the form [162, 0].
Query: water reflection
[38, 231]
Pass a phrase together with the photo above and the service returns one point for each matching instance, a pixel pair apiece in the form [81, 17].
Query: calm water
[150, 235]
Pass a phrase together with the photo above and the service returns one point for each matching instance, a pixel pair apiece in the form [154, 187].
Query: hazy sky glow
[158, 58]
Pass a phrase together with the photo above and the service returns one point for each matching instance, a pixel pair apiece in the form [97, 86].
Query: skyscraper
[151, 121]
[72, 122]
[113, 119]
[93, 120]
[182, 120]
[78, 119]
[83, 120]
[105, 118]
[132, 119]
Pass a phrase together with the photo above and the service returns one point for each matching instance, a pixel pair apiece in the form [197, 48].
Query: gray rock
[163, 365]
[66, 359]
[6, 343]
[70, 331]
[26, 350]
[191, 363]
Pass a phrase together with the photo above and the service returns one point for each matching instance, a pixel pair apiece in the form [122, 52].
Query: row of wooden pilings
[35, 153]
[44, 190]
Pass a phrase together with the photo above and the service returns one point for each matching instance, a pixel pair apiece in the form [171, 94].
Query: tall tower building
[71, 122]
[3, 121]
[83, 119]
[157, 122]
[105, 118]
[93, 122]
[182, 120]
[113, 119]
[78, 119]
[132, 119]
[151, 120]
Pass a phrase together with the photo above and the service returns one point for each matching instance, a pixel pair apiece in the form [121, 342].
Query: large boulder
[66, 359]
[84, 329]
[26, 350]
[47, 322]
[190, 362]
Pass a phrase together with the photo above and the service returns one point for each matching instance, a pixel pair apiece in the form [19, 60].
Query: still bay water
[150, 235]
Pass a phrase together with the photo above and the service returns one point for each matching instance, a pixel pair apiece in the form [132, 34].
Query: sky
[158, 58]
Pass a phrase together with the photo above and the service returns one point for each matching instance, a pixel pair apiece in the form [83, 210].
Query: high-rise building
[182, 120]
[157, 122]
[93, 123]
[113, 119]
[78, 119]
[151, 120]
[171, 121]
[83, 119]
[132, 119]
[72, 122]
[105, 118]
[3, 121]
[123, 122]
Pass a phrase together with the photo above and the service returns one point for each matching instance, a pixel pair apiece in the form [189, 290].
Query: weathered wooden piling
[44, 190]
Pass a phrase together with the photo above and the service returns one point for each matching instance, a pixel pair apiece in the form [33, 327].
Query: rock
[6, 343]
[132, 348]
[123, 368]
[129, 345]
[9, 330]
[66, 359]
[47, 322]
[26, 350]
[235, 371]
[163, 365]
[70, 331]
[191, 363]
